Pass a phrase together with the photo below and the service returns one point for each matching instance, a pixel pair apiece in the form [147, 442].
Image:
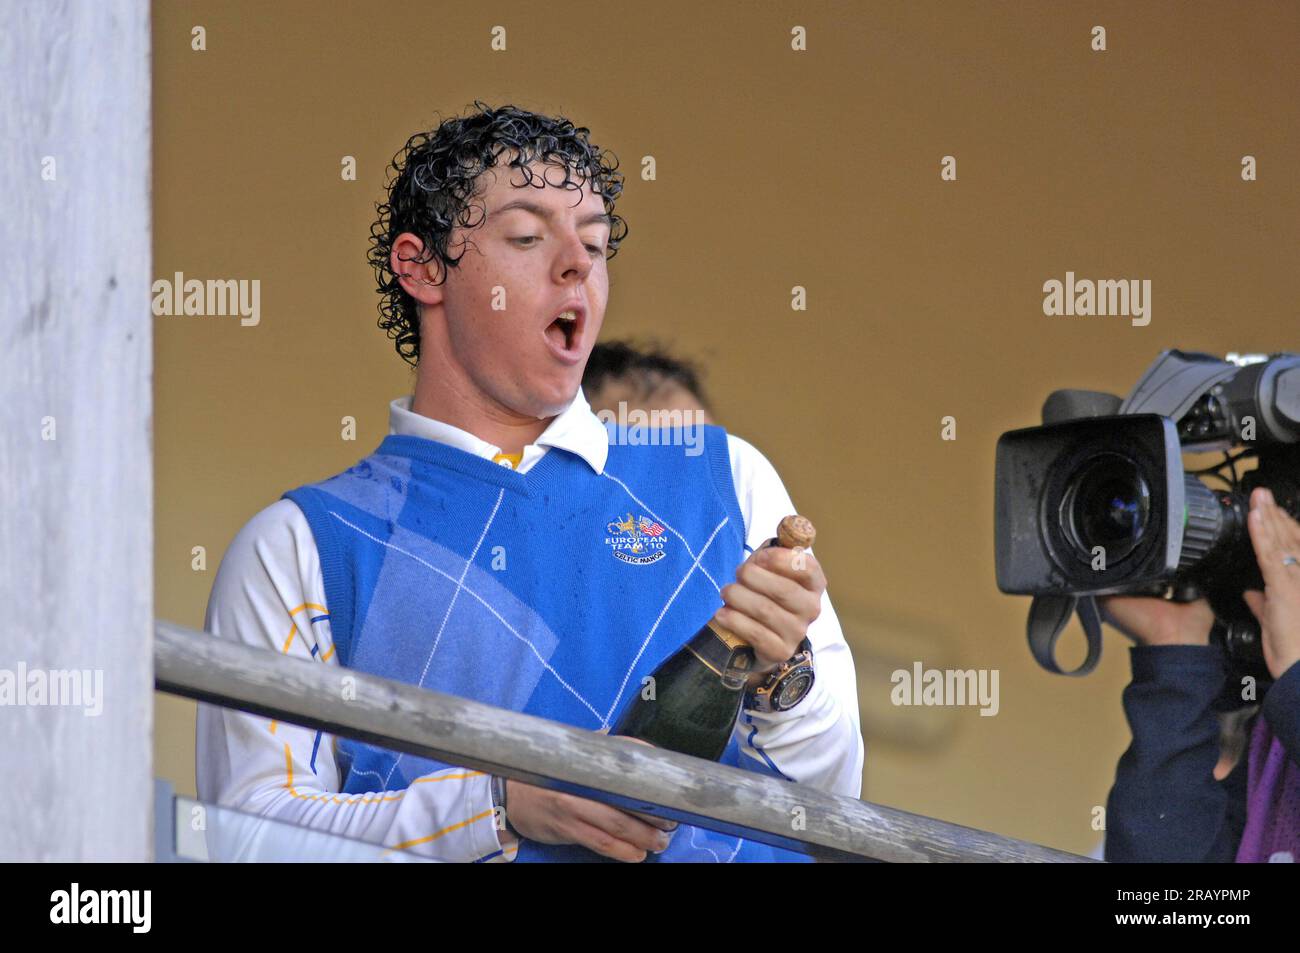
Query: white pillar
[76, 511]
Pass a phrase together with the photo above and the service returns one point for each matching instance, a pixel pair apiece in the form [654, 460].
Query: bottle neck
[730, 658]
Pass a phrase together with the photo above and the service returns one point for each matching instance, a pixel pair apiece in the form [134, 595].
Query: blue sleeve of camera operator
[1281, 710]
[1166, 804]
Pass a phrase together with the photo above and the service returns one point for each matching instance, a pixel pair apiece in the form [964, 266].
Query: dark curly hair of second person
[644, 369]
[432, 188]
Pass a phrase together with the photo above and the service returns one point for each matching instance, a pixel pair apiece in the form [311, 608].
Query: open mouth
[564, 333]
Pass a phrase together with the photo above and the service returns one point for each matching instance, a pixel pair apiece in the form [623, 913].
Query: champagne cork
[796, 531]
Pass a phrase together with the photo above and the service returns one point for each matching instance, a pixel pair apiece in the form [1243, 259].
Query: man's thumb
[1255, 600]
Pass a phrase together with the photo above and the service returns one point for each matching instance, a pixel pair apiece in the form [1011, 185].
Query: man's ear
[422, 280]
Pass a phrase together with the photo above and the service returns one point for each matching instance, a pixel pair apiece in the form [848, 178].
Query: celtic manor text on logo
[637, 540]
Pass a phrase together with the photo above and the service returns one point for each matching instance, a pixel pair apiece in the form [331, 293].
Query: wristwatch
[787, 686]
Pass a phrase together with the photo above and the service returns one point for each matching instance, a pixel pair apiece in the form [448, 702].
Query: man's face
[538, 252]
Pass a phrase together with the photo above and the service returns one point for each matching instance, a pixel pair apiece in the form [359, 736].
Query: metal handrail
[402, 717]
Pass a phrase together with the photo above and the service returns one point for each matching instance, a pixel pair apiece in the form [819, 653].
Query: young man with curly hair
[476, 550]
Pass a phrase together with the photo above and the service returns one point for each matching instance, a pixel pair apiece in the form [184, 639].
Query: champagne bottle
[698, 691]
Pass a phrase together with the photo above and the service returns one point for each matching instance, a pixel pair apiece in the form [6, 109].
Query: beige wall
[775, 169]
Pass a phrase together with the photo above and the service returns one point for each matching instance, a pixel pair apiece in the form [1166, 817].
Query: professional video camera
[1097, 501]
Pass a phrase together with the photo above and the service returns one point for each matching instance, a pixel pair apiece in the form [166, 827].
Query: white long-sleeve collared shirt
[269, 593]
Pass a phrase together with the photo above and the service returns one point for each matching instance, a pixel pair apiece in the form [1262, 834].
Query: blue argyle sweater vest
[552, 592]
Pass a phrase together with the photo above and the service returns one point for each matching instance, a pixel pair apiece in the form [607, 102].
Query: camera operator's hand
[1150, 620]
[1276, 536]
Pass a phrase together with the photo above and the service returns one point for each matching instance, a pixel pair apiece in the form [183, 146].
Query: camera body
[1097, 500]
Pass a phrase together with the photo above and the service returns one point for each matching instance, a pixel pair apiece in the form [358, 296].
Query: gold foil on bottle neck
[728, 638]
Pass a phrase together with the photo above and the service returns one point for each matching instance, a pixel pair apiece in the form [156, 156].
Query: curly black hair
[643, 367]
[433, 183]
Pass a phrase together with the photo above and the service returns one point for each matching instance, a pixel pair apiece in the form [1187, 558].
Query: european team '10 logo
[638, 540]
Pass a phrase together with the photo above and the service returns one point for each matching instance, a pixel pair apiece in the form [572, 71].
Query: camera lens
[1107, 503]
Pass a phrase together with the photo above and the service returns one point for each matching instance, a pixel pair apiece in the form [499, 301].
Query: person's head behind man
[495, 224]
[644, 378]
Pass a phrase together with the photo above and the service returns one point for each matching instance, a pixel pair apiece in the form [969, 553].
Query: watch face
[793, 688]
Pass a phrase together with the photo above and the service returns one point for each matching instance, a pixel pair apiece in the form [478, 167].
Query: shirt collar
[575, 429]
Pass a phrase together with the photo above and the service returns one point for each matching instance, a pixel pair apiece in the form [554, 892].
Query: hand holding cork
[776, 596]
